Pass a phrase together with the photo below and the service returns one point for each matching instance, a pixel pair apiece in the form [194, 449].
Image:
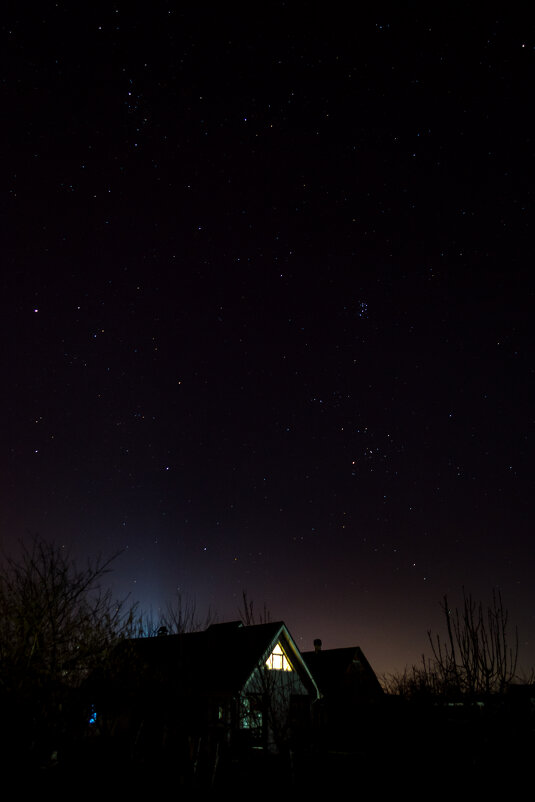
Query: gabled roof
[335, 669]
[218, 660]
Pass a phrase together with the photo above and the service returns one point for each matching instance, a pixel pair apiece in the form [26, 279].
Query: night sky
[266, 304]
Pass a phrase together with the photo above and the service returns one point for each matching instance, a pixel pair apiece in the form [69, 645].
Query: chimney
[317, 645]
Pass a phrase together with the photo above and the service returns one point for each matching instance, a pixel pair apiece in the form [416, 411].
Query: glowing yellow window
[278, 660]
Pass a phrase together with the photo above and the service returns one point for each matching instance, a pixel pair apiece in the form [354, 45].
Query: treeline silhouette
[60, 626]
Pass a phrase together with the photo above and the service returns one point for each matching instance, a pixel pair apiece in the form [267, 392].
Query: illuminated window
[251, 713]
[278, 660]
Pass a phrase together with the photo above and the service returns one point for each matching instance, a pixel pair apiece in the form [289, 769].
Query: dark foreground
[390, 748]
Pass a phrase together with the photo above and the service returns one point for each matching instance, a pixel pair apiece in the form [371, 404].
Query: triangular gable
[333, 668]
[278, 660]
[290, 651]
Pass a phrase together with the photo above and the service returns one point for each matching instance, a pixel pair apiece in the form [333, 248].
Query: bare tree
[478, 655]
[419, 682]
[248, 615]
[179, 616]
[57, 623]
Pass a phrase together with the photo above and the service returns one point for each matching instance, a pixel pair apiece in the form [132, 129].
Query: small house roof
[336, 669]
[218, 660]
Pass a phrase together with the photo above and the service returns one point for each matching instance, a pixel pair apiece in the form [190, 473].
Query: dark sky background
[266, 307]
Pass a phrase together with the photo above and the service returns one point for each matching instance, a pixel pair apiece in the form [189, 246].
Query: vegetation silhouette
[57, 625]
[476, 658]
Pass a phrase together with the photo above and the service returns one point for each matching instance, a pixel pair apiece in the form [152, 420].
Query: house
[349, 689]
[226, 689]
[343, 672]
